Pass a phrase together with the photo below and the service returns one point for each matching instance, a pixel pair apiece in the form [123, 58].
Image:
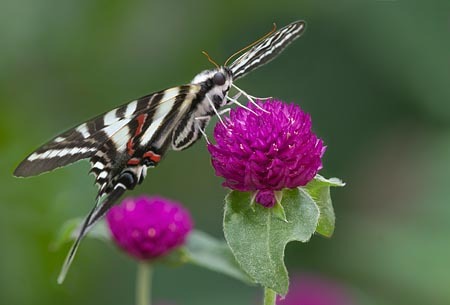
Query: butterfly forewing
[84, 140]
[267, 49]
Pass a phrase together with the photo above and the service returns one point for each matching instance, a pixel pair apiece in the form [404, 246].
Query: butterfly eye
[219, 79]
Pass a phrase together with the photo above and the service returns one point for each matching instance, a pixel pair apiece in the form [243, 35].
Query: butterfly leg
[235, 101]
[207, 117]
[222, 111]
[237, 95]
[250, 98]
[215, 110]
[201, 129]
[225, 110]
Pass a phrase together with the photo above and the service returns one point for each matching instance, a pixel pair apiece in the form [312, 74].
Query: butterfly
[123, 143]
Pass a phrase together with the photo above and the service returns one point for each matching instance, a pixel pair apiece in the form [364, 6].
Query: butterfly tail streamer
[97, 212]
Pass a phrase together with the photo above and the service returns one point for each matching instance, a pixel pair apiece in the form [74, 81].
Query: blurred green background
[374, 75]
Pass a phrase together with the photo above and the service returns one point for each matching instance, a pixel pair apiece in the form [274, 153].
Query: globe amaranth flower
[267, 149]
[149, 227]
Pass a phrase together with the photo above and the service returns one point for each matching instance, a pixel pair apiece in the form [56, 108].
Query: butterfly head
[216, 82]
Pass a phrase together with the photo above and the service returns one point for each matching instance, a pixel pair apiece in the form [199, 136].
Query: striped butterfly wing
[84, 140]
[80, 142]
[267, 49]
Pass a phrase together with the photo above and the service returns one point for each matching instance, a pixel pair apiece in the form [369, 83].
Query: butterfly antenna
[210, 59]
[252, 44]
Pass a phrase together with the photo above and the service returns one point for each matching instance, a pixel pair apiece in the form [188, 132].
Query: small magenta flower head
[267, 149]
[149, 227]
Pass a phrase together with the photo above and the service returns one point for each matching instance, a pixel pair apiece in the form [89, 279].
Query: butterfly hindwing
[188, 131]
[91, 219]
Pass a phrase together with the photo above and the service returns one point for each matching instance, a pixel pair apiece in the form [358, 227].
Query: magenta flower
[267, 151]
[308, 289]
[149, 227]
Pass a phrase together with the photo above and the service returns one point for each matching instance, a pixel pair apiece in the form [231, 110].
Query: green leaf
[207, 252]
[175, 258]
[319, 190]
[257, 237]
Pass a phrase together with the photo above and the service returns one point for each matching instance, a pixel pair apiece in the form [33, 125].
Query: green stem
[269, 296]
[144, 284]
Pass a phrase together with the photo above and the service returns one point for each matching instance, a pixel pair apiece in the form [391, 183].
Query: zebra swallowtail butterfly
[122, 143]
